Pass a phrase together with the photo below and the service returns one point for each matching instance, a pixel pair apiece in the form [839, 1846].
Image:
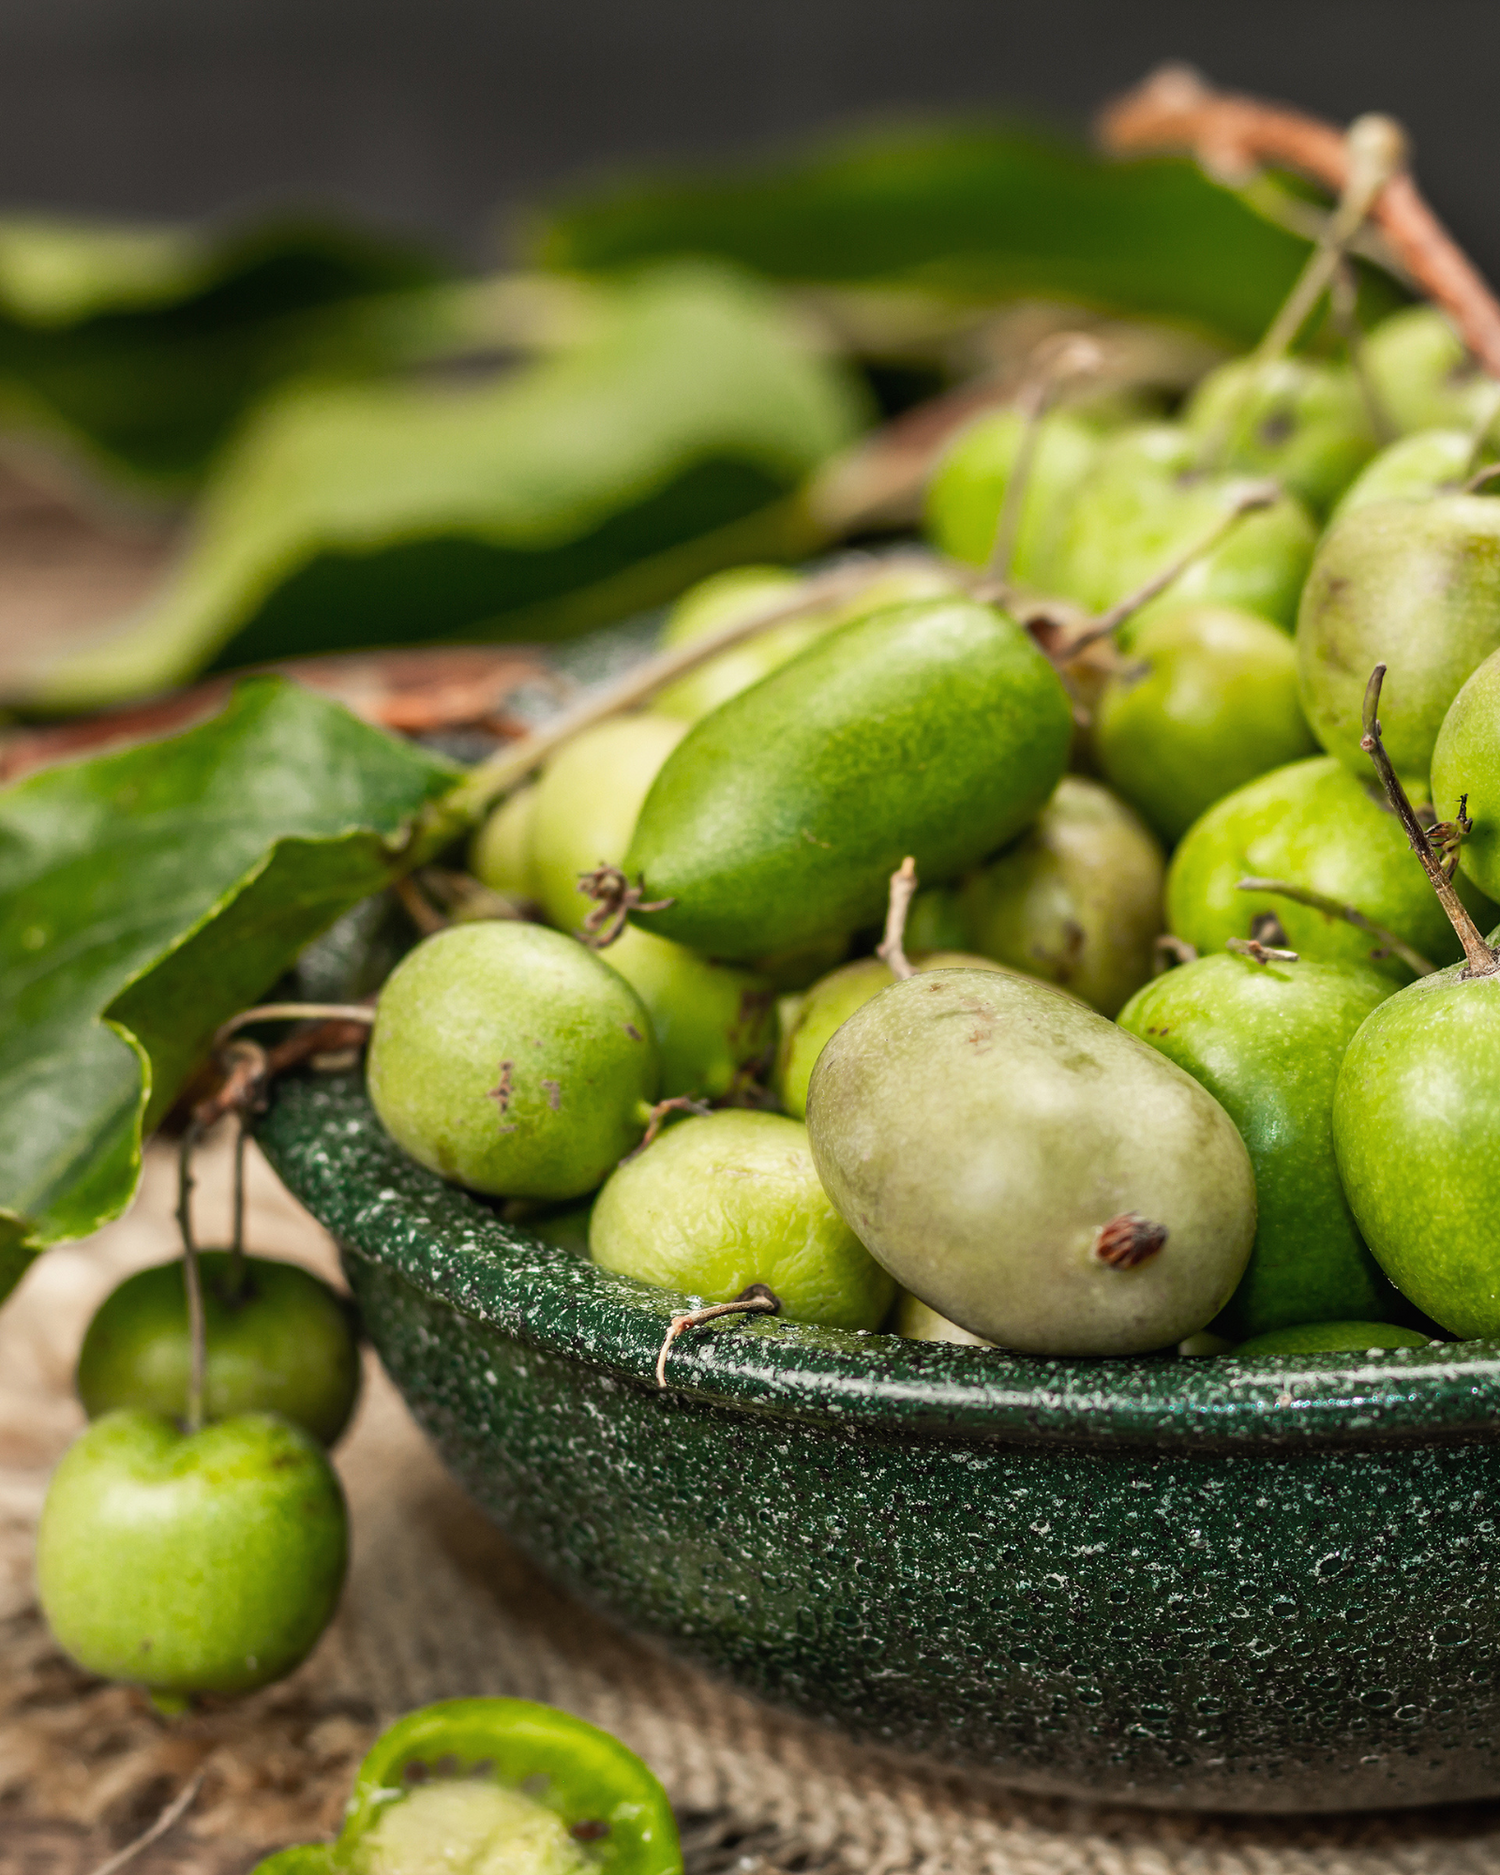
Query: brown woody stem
[1480, 960]
[1176, 110]
[891, 948]
[236, 1280]
[756, 1300]
[1351, 914]
[248, 1067]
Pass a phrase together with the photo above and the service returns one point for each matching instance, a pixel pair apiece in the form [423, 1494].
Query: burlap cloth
[439, 1605]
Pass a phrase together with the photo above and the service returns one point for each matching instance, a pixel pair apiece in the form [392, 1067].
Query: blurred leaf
[596, 481]
[980, 211]
[147, 895]
[142, 346]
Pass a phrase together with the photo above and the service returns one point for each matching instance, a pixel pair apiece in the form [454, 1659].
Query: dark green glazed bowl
[1259, 1585]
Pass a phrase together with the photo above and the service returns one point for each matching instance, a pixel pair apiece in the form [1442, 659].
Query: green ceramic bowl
[1257, 1585]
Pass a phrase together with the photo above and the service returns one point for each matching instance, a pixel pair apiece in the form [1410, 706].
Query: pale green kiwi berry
[1301, 420]
[469, 1826]
[711, 1020]
[1077, 900]
[830, 1003]
[500, 852]
[720, 600]
[509, 1059]
[586, 805]
[1424, 376]
[967, 490]
[915, 1321]
[1028, 1169]
[1414, 468]
[1331, 1337]
[1206, 701]
[191, 1562]
[730, 1199]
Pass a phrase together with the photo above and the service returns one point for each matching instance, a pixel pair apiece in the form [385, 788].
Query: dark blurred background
[439, 115]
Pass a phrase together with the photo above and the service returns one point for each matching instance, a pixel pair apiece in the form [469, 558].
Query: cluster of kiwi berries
[1113, 1104]
[1185, 1041]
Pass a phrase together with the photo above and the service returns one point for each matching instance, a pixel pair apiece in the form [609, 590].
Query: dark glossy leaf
[142, 347]
[147, 895]
[981, 211]
[598, 481]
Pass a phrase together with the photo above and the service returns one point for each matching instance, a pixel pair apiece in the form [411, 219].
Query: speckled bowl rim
[322, 1136]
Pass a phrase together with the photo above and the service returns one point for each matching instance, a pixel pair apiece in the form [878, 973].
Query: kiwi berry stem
[1351, 914]
[1260, 952]
[172, 1814]
[614, 899]
[1250, 499]
[236, 1272]
[1480, 960]
[1064, 355]
[418, 907]
[192, 1280]
[1377, 150]
[1343, 304]
[445, 820]
[656, 1118]
[295, 1012]
[891, 949]
[1169, 951]
[756, 1300]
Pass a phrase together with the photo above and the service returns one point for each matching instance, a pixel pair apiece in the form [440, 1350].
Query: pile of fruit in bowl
[1079, 1099]
[1062, 938]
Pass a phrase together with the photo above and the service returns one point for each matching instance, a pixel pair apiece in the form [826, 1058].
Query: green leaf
[147, 895]
[982, 211]
[141, 347]
[600, 479]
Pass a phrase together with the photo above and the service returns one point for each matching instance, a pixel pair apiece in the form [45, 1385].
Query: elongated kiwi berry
[1029, 1170]
[934, 729]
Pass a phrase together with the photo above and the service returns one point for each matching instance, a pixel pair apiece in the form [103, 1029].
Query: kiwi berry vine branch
[1233, 136]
